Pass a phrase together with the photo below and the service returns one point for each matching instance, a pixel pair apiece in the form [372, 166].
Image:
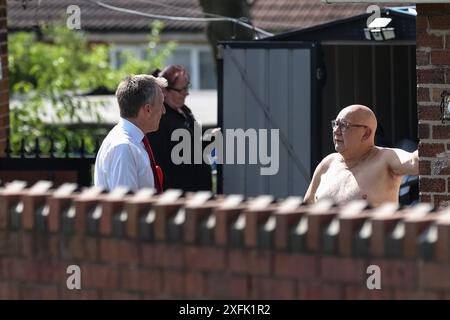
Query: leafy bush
[56, 70]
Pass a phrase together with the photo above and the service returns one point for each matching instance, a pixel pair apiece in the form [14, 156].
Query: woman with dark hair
[185, 176]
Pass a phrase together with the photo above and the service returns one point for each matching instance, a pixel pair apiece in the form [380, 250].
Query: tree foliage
[52, 74]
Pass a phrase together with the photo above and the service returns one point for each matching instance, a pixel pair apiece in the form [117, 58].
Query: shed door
[268, 86]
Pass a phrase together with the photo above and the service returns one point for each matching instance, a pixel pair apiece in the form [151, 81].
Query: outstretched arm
[402, 162]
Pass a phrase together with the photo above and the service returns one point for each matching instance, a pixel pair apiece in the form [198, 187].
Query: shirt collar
[135, 133]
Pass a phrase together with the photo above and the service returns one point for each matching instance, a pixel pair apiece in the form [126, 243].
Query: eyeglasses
[182, 90]
[344, 126]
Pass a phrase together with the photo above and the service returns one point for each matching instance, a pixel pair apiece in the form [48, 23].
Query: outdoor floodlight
[412, 11]
[377, 30]
[445, 106]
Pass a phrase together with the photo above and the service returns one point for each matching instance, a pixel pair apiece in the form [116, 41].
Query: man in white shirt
[125, 157]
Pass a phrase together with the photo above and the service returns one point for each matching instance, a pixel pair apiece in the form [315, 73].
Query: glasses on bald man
[344, 126]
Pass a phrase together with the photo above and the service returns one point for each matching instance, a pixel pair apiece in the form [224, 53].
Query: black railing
[52, 161]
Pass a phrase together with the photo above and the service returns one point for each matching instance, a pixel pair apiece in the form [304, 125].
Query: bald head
[359, 114]
[359, 136]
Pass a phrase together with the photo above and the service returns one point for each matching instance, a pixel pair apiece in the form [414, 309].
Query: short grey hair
[135, 91]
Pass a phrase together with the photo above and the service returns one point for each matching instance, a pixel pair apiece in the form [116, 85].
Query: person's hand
[211, 134]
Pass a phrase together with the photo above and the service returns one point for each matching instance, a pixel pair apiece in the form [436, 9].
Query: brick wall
[4, 98]
[433, 76]
[193, 247]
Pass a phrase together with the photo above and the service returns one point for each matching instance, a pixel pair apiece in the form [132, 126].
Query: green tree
[57, 71]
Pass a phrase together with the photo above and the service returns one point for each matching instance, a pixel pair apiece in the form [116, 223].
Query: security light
[377, 30]
[379, 23]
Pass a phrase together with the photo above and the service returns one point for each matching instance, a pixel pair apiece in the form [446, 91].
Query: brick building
[433, 77]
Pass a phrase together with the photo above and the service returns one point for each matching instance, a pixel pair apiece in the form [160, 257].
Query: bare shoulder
[331, 157]
[392, 153]
[327, 161]
[384, 151]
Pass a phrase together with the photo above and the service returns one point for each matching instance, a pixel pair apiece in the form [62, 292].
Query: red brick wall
[4, 98]
[433, 76]
[253, 264]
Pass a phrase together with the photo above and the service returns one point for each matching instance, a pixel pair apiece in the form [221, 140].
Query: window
[200, 64]
[207, 71]
[198, 60]
[183, 57]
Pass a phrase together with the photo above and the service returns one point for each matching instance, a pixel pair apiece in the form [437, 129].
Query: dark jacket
[188, 177]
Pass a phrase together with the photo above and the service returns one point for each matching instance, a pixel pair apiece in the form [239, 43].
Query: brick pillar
[433, 76]
[4, 97]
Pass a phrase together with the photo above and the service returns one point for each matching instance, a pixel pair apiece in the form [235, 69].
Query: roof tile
[276, 16]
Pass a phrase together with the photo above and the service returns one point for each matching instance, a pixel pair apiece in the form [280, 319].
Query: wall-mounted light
[445, 106]
[377, 30]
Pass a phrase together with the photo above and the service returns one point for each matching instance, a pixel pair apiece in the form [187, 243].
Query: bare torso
[371, 180]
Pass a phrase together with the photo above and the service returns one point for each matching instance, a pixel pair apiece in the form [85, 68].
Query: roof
[97, 18]
[352, 28]
[276, 16]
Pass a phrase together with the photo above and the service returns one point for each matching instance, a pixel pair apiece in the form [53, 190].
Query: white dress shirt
[122, 159]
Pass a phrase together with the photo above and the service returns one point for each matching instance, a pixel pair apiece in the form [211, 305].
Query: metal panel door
[265, 86]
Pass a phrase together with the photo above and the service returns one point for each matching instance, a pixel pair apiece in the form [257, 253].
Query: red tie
[157, 172]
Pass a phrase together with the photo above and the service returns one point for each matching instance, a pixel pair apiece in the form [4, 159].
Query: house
[126, 31]
[129, 32]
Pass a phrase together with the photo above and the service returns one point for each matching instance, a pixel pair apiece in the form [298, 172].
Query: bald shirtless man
[359, 169]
